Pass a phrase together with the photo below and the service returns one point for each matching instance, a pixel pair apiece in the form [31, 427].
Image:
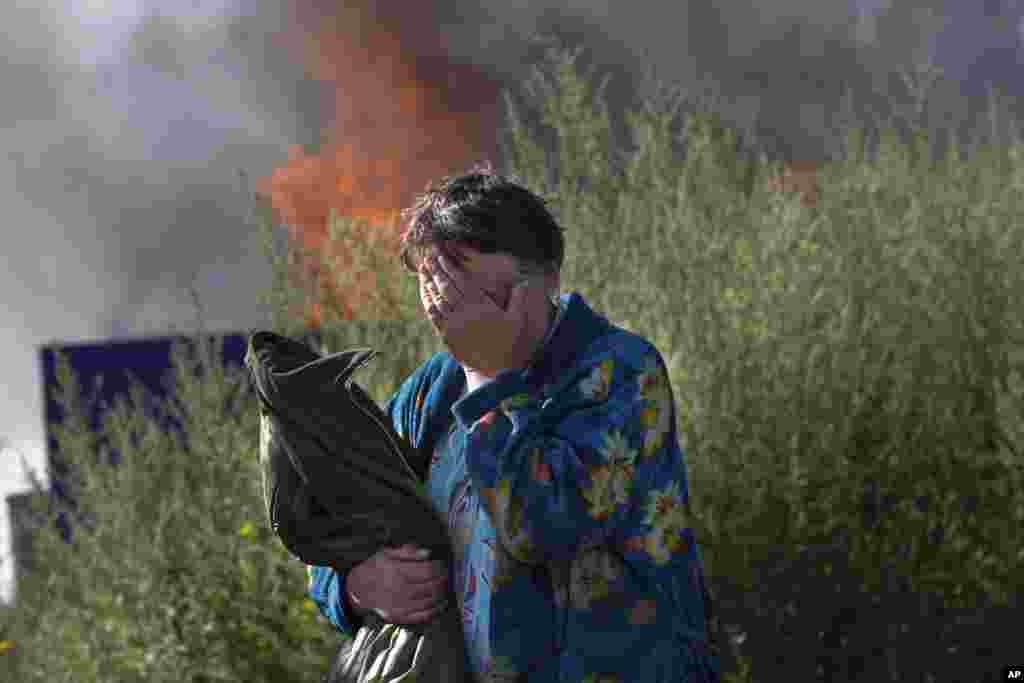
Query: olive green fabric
[338, 486]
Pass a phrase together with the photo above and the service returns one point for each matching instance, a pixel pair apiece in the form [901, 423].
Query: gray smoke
[785, 63]
[120, 187]
[119, 184]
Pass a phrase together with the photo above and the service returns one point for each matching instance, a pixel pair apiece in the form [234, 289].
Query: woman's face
[496, 274]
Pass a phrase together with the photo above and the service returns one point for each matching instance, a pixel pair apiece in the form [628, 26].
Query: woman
[553, 454]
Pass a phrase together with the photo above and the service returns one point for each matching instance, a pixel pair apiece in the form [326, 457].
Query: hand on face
[482, 336]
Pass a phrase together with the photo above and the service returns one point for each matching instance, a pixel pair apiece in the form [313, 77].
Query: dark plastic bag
[338, 485]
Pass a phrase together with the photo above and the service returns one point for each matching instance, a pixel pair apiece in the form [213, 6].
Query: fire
[798, 176]
[403, 116]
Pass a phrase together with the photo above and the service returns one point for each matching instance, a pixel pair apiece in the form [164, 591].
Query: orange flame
[403, 117]
[798, 176]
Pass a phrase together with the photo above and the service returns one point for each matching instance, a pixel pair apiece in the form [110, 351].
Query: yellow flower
[666, 514]
[600, 495]
[622, 483]
[665, 506]
[653, 381]
[655, 547]
[592, 576]
[308, 605]
[506, 513]
[653, 441]
[648, 416]
[663, 542]
[247, 530]
[656, 414]
[616, 451]
[6, 646]
[610, 481]
[657, 422]
[673, 539]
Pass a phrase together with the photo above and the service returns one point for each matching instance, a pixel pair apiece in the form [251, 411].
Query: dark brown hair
[488, 212]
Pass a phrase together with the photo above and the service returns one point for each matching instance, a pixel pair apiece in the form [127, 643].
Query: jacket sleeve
[327, 586]
[405, 407]
[597, 463]
[327, 590]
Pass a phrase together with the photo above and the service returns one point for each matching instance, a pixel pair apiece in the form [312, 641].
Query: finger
[447, 275]
[398, 549]
[407, 552]
[435, 297]
[432, 586]
[426, 298]
[436, 319]
[404, 605]
[424, 615]
[446, 284]
[430, 307]
[426, 595]
[441, 302]
[423, 571]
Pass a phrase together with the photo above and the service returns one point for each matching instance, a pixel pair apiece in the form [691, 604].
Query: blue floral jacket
[565, 490]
